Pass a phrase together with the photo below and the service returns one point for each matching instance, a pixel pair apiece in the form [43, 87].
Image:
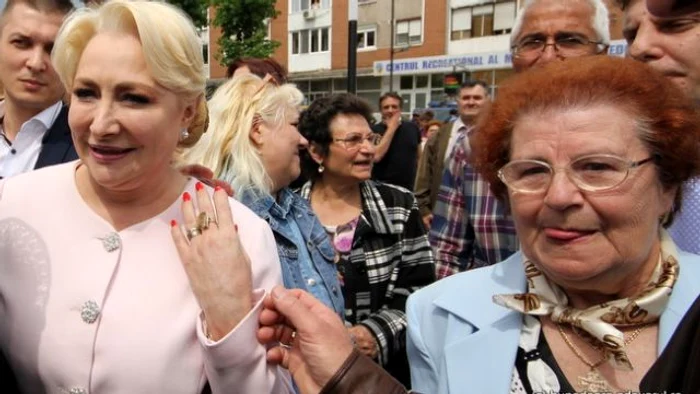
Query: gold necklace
[593, 381]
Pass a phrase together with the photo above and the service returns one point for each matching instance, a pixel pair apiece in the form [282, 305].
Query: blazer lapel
[483, 361]
[57, 145]
[443, 140]
[684, 293]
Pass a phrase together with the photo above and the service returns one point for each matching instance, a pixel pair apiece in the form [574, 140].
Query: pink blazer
[85, 309]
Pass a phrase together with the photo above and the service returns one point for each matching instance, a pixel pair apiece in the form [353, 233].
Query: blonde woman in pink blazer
[117, 273]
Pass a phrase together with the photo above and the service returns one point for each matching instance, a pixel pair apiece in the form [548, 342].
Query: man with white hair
[470, 227]
[666, 36]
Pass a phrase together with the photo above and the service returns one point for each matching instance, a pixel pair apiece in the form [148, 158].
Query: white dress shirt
[21, 154]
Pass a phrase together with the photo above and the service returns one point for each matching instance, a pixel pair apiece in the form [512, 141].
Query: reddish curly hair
[667, 121]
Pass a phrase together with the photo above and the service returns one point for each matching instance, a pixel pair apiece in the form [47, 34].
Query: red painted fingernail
[186, 196]
[218, 189]
[173, 223]
[198, 186]
[235, 226]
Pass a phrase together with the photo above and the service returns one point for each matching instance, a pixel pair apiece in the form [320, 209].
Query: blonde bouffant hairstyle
[171, 48]
[237, 107]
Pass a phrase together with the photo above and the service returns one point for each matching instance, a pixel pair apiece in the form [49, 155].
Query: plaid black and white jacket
[390, 258]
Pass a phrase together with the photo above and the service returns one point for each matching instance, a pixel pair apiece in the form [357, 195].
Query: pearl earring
[184, 134]
[321, 168]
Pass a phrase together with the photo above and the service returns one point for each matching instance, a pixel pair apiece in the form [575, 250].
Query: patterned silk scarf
[545, 298]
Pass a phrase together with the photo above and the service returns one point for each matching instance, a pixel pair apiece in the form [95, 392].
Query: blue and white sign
[472, 62]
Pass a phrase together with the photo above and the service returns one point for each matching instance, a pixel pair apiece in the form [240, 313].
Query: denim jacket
[292, 207]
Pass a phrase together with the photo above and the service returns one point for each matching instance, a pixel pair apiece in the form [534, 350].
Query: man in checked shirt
[470, 228]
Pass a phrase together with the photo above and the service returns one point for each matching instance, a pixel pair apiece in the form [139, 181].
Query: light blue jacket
[315, 240]
[459, 341]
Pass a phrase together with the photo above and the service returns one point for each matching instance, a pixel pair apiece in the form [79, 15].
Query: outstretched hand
[307, 337]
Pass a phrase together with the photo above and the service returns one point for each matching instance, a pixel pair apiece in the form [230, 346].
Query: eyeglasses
[593, 173]
[566, 46]
[354, 141]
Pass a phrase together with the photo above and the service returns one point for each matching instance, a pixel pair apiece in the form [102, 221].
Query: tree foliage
[196, 9]
[243, 27]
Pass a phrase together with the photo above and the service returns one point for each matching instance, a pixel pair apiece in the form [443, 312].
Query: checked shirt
[470, 228]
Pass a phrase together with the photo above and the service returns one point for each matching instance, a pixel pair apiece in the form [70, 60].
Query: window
[408, 32]
[367, 38]
[503, 18]
[483, 20]
[461, 23]
[310, 41]
[303, 5]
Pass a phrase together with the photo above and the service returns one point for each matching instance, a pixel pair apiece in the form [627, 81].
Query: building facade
[431, 39]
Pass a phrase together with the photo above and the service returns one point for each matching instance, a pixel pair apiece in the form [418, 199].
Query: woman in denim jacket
[253, 144]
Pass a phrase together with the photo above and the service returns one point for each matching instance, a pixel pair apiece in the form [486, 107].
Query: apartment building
[432, 40]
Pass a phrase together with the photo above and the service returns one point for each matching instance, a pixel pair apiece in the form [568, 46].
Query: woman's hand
[364, 340]
[321, 344]
[215, 261]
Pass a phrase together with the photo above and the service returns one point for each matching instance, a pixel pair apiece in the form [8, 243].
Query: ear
[668, 197]
[256, 134]
[190, 112]
[315, 153]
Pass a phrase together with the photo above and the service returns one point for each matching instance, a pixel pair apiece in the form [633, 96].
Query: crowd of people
[542, 240]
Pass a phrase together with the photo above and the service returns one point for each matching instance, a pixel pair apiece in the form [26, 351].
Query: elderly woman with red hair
[590, 156]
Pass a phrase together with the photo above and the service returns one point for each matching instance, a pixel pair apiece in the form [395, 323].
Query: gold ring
[289, 345]
[203, 221]
[193, 232]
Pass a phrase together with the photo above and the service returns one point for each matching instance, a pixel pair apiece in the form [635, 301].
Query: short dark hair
[427, 115]
[470, 83]
[393, 95]
[315, 124]
[259, 67]
[49, 6]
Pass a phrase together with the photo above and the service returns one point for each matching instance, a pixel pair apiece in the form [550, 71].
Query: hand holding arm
[364, 340]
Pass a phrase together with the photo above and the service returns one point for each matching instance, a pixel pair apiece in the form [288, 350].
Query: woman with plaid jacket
[382, 249]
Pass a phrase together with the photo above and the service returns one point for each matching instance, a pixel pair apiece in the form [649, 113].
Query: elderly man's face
[552, 19]
[671, 45]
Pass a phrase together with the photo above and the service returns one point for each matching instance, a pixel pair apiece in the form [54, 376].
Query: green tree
[243, 28]
[196, 9]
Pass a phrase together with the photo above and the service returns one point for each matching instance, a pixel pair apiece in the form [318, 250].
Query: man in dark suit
[34, 130]
[471, 97]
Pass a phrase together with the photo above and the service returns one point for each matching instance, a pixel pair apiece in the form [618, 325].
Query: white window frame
[296, 6]
[362, 34]
[309, 35]
[504, 17]
[408, 28]
[461, 22]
